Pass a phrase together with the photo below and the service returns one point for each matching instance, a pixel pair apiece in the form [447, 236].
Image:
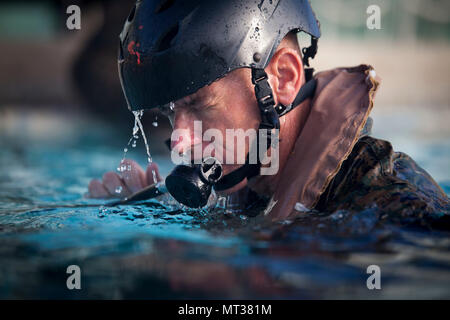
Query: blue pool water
[156, 251]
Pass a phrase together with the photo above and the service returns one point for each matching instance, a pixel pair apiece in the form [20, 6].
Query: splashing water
[118, 189]
[133, 139]
[137, 117]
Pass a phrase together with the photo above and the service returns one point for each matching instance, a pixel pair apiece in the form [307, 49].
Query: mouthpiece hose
[148, 192]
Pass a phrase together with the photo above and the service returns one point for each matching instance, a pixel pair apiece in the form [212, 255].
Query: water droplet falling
[155, 122]
[137, 117]
[121, 168]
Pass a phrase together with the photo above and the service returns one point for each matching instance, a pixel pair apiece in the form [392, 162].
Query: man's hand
[132, 178]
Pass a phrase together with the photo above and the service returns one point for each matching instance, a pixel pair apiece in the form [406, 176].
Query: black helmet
[171, 48]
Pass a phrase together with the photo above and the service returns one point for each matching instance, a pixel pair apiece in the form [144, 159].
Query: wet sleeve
[401, 191]
[422, 197]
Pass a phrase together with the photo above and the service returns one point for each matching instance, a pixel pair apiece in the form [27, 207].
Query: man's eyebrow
[192, 101]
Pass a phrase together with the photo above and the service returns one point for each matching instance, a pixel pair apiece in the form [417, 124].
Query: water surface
[156, 251]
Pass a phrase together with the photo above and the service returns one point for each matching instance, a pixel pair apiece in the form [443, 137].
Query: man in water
[229, 76]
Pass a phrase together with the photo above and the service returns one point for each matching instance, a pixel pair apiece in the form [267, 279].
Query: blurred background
[52, 79]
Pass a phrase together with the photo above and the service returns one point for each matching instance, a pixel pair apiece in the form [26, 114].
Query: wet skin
[228, 103]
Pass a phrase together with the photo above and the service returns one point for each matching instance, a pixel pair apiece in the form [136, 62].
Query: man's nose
[188, 135]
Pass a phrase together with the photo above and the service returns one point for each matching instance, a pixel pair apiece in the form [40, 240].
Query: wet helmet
[171, 48]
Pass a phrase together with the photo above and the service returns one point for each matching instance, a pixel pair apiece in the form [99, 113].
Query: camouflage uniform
[336, 164]
[375, 175]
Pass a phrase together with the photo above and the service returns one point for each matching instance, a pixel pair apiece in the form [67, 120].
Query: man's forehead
[202, 96]
[215, 90]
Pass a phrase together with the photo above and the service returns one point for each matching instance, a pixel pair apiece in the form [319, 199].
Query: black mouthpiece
[192, 185]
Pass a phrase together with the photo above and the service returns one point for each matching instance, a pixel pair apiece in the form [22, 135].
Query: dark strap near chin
[233, 178]
[270, 120]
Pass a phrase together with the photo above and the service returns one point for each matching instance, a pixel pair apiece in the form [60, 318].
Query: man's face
[228, 103]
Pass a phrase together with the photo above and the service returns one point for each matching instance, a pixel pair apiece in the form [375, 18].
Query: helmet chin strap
[270, 114]
[270, 119]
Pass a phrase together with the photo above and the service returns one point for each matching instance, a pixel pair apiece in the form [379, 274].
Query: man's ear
[285, 72]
